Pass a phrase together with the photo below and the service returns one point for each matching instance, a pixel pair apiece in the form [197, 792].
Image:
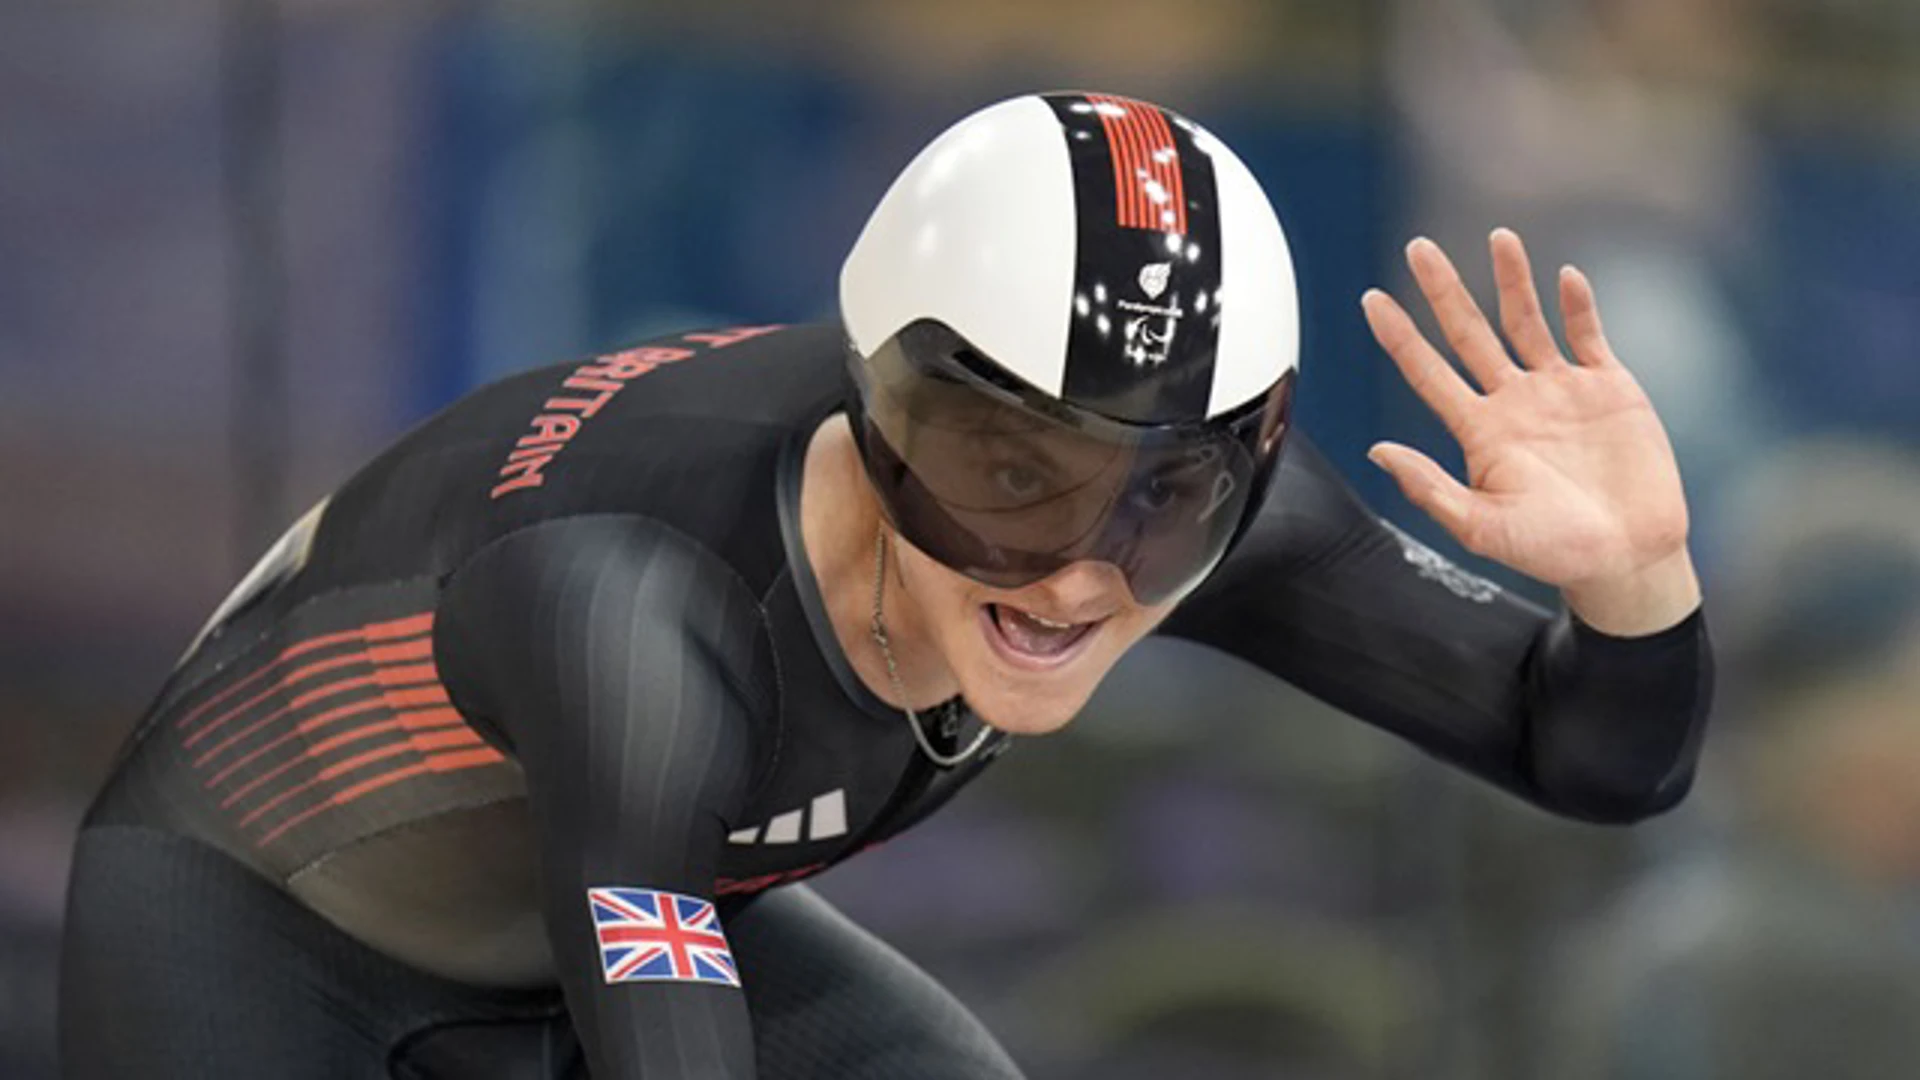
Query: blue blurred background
[244, 243]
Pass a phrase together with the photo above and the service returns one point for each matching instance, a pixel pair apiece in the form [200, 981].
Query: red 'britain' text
[594, 384]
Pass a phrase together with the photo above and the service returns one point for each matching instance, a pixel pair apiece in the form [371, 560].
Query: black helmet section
[1007, 485]
[1146, 283]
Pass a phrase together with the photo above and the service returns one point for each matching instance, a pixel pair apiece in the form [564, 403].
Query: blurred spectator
[1612, 136]
[1792, 948]
[35, 844]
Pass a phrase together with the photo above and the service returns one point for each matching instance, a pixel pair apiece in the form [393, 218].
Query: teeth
[1048, 623]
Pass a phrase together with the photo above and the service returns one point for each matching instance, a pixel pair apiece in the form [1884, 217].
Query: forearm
[1615, 723]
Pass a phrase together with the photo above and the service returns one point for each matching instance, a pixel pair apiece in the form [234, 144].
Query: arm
[617, 661]
[1326, 595]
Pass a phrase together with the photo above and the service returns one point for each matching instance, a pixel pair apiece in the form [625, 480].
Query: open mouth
[1031, 641]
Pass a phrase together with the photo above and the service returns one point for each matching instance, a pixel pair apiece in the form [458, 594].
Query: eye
[1155, 494]
[1019, 481]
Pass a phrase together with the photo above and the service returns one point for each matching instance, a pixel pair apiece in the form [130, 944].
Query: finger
[1431, 377]
[1472, 338]
[1520, 313]
[1582, 314]
[1428, 486]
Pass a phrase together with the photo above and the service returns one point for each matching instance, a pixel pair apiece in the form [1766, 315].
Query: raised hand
[1570, 477]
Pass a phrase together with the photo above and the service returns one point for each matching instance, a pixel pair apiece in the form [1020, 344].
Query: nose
[1082, 591]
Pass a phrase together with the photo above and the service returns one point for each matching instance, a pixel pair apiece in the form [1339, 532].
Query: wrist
[1651, 599]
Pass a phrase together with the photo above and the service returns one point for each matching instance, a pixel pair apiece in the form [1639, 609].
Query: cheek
[943, 601]
[1142, 621]
[1129, 631]
[941, 593]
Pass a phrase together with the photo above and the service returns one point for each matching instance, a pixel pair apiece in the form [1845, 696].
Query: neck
[840, 524]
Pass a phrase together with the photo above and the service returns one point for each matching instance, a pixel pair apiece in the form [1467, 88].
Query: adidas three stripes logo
[823, 819]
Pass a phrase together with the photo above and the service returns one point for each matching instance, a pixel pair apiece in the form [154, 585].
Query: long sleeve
[620, 663]
[1328, 596]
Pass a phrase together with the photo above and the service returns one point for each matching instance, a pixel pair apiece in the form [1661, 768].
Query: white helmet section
[981, 233]
[978, 232]
[1259, 302]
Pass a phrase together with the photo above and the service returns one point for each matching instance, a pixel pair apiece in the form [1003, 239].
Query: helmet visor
[1008, 485]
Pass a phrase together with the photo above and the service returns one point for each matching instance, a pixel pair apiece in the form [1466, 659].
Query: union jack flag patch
[649, 935]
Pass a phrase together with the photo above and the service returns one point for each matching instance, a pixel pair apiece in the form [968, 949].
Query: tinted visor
[1008, 485]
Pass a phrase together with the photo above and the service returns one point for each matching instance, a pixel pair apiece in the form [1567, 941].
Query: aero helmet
[1072, 332]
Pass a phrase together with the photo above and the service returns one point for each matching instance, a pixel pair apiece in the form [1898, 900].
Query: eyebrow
[1022, 440]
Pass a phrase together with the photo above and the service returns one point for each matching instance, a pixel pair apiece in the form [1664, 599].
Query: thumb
[1427, 486]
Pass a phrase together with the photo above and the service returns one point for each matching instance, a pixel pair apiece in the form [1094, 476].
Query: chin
[1025, 713]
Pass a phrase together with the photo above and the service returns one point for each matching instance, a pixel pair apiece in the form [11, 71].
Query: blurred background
[244, 243]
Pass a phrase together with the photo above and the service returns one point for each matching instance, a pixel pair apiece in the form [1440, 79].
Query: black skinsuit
[563, 636]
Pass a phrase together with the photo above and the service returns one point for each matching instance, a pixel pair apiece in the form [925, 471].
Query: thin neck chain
[945, 761]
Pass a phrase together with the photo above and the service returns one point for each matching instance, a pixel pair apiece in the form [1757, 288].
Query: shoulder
[686, 429]
[594, 597]
[595, 566]
[1309, 492]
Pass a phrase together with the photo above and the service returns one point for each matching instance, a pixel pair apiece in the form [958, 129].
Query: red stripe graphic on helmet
[1147, 190]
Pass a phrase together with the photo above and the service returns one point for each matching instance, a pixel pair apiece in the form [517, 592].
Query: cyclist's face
[1009, 496]
[1027, 659]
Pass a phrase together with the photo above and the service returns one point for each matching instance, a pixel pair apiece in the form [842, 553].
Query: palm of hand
[1570, 474]
[1578, 477]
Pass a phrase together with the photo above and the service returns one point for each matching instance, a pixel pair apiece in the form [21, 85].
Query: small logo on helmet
[1153, 279]
[1147, 343]
[1149, 333]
